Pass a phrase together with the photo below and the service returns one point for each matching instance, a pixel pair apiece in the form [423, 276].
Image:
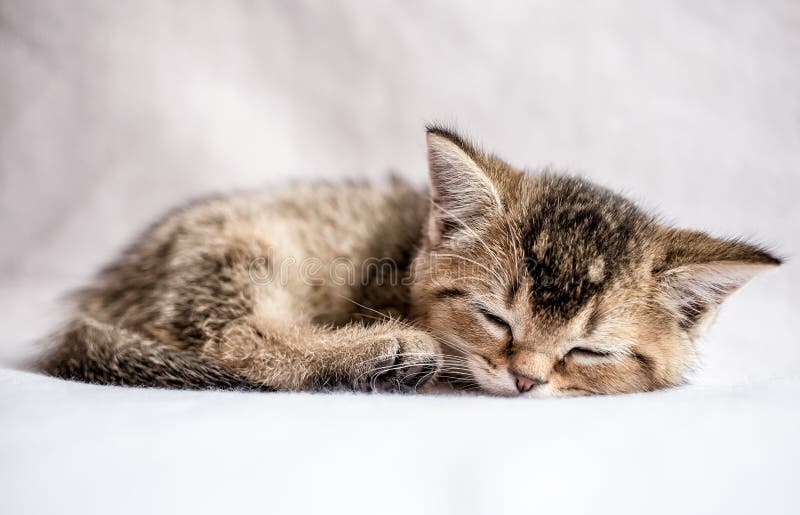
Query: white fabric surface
[111, 112]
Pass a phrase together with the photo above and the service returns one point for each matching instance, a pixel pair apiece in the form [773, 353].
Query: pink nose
[525, 384]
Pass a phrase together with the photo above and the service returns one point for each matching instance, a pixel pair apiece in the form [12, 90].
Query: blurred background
[112, 112]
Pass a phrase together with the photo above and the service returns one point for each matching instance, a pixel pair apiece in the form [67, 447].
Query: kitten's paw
[410, 360]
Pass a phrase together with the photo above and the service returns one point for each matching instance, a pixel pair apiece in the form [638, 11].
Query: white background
[113, 112]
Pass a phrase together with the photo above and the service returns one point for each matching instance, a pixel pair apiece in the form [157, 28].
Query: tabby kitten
[513, 283]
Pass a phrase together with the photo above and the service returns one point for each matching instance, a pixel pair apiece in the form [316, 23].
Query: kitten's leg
[384, 356]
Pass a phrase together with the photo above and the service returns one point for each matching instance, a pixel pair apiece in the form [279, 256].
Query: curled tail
[98, 353]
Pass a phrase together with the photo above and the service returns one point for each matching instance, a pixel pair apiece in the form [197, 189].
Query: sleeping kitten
[511, 283]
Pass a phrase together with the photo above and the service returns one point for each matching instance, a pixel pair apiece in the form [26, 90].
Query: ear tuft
[461, 191]
[450, 134]
[698, 272]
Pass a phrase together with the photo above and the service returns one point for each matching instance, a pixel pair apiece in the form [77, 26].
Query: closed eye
[589, 353]
[500, 323]
[495, 319]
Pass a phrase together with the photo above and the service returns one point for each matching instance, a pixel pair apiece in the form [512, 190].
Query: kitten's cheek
[492, 384]
[560, 387]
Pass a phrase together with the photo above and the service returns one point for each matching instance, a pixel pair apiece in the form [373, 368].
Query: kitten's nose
[525, 384]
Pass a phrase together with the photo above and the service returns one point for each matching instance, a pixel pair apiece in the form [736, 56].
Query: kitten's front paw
[411, 359]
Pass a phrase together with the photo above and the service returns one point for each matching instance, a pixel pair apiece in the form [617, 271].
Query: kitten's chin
[496, 386]
[539, 392]
[544, 391]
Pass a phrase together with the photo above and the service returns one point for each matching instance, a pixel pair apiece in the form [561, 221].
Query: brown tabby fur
[509, 282]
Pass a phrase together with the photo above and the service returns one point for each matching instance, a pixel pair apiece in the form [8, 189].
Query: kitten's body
[364, 286]
[260, 289]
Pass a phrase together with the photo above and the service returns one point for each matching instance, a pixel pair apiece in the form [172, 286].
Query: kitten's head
[550, 285]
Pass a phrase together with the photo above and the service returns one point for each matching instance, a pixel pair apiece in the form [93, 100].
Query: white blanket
[111, 112]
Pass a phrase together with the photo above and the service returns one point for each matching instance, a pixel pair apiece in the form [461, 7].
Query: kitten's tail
[91, 351]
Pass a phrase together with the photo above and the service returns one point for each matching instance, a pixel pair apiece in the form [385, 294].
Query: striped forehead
[577, 239]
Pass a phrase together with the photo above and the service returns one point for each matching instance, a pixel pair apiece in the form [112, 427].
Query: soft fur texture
[498, 280]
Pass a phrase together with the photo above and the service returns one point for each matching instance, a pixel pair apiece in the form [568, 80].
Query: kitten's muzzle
[526, 384]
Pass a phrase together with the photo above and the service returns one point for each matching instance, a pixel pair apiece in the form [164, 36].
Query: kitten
[511, 283]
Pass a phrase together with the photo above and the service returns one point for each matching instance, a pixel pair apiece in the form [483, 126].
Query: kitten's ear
[461, 190]
[697, 272]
